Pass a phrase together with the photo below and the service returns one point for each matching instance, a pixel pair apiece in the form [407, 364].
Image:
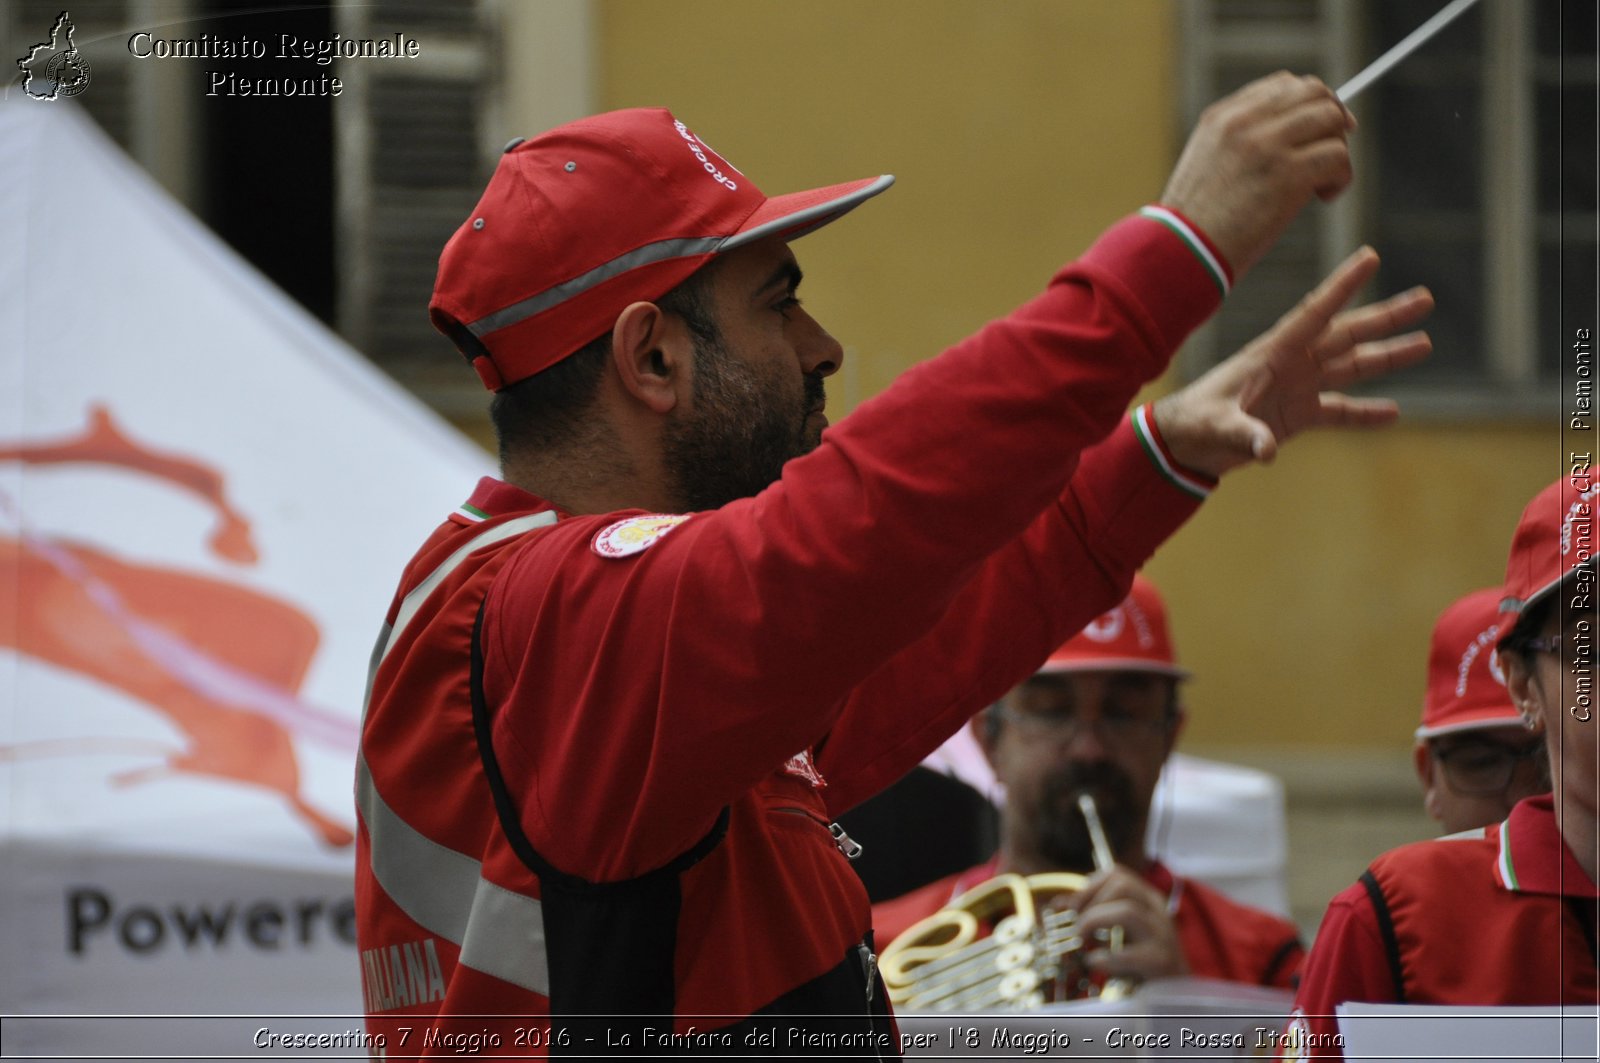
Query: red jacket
[1501, 915]
[679, 705]
[1221, 938]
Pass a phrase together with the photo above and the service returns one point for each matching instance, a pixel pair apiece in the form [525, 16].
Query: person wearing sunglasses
[1475, 755]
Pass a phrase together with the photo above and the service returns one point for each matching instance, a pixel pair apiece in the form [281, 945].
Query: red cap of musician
[1131, 637]
[1466, 691]
[1554, 538]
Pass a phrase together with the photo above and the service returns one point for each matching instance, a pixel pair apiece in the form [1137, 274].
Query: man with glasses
[1101, 716]
[1475, 755]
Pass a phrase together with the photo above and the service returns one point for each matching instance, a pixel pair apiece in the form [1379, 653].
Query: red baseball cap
[1466, 691]
[1132, 637]
[593, 215]
[1554, 538]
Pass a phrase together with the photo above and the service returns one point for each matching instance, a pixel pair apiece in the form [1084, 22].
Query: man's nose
[820, 353]
[1086, 741]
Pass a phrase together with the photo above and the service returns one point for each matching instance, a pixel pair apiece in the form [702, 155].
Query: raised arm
[1129, 495]
[735, 640]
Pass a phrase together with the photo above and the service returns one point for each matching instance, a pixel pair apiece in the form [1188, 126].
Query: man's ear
[652, 351]
[1520, 683]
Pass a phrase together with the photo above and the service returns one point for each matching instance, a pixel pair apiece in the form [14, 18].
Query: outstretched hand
[1287, 379]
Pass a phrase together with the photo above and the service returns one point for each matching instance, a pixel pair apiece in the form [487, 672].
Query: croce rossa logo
[55, 68]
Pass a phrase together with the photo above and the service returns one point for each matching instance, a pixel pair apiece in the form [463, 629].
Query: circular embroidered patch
[631, 536]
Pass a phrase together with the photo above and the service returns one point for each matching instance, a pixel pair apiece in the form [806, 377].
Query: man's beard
[737, 441]
[1064, 836]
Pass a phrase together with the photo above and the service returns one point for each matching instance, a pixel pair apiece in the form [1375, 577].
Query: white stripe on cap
[811, 218]
[649, 254]
[803, 221]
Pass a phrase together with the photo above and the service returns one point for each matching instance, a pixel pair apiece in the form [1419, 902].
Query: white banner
[206, 500]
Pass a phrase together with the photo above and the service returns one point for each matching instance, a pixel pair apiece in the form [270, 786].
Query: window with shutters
[223, 155]
[344, 202]
[1476, 175]
[413, 158]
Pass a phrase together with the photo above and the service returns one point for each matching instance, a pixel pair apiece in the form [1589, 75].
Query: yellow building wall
[1302, 595]
[1016, 132]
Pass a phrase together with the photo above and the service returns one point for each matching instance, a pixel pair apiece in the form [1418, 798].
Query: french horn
[1032, 955]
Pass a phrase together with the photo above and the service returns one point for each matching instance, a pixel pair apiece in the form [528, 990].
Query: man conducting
[623, 692]
[1101, 717]
[1475, 754]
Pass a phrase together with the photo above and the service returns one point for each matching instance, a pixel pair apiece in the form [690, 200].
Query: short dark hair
[549, 408]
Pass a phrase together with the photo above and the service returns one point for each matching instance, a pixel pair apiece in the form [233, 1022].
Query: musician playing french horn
[1100, 718]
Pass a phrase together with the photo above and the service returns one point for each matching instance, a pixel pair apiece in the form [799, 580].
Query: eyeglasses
[1114, 728]
[1577, 651]
[1484, 769]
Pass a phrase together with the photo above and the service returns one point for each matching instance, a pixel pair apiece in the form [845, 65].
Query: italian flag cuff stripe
[1193, 242]
[1156, 449]
[1508, 874]
[472, 512]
